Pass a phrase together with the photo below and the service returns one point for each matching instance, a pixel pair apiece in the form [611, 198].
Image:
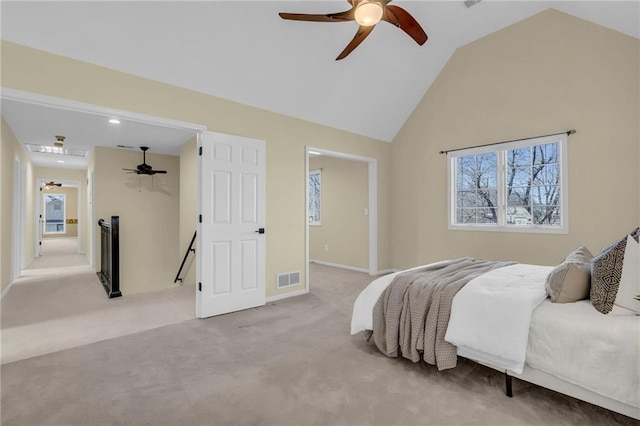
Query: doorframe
[92, 253]
[373, 205]
[39, 210]
[19, 184]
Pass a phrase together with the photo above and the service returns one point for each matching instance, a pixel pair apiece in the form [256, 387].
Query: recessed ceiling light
[114, 121]
[60, 161]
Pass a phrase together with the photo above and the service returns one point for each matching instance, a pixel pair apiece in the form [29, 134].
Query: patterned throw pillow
[629, 286]
[606, 271]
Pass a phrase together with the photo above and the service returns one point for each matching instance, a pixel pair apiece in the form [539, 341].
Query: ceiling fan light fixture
[368, 13]
[59, 143]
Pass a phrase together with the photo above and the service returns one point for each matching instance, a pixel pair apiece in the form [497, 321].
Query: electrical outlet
[326, 247]
[366, 212]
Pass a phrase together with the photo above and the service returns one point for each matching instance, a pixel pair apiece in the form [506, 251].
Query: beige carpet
[291, 362]
[59, 303]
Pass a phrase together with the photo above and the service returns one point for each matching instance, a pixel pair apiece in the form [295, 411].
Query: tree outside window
[315, 192]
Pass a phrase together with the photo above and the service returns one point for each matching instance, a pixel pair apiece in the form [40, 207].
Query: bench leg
[508, 388]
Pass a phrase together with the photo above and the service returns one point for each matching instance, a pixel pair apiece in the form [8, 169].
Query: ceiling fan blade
[162, 172]
[402, 19]
[362, 33]
[347, 15]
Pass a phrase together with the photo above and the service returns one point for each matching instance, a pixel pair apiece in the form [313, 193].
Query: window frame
[64, 213]
[318, 222]
[501, 150]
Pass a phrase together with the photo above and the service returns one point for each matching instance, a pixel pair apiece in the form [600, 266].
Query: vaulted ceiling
[243, 51]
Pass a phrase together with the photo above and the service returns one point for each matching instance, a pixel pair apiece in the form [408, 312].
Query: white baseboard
[337, 265]
[352, 268]
[6, 290]
[287, 295]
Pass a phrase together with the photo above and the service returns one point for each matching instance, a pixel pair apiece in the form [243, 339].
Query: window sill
[511, 229]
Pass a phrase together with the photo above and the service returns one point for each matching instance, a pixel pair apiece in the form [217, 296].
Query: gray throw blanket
[412, 314]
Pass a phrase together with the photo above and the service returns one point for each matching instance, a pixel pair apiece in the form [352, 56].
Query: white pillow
[629, 286]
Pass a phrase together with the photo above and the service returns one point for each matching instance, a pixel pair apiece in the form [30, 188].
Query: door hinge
[40, 243]
[199, 286]
[200, 151]
[200, 218]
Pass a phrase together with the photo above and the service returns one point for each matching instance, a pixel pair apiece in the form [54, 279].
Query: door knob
[260, 231]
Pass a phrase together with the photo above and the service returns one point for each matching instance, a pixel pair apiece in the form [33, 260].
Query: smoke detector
[59, 141]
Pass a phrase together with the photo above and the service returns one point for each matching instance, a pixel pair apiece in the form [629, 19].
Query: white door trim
[18, 213]
[373, 205]
[89, 250]
[81, 220]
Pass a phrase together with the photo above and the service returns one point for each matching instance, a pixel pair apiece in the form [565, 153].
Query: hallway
[58, 303]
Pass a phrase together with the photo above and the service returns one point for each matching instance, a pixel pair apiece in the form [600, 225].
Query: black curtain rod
[568, 132]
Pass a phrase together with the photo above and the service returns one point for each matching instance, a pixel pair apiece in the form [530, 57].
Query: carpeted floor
[59, 303]
[291, 362]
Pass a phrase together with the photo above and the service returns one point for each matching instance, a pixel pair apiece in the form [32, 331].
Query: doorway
[365, 213]
[58, 213]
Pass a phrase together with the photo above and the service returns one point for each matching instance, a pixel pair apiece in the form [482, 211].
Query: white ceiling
[243, 51]
[37, 124]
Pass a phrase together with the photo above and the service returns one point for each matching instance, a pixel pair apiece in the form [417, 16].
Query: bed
[503, 319]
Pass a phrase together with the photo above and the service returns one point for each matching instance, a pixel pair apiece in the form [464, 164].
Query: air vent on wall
[46, 149]
[470, 3]
[124, 146]
[288, 279]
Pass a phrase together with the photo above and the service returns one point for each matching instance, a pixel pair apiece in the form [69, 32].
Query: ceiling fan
[367, 13]
[51, 184]
[144, 168]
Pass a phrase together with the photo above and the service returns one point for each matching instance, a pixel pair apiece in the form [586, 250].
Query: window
[315, 190]
[54, 214]
[518, 186]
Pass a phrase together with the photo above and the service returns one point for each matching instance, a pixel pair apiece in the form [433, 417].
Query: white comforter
[575, 342]
[490, 316]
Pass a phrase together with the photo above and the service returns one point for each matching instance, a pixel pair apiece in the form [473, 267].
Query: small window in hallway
[54, 214]
[315, 192]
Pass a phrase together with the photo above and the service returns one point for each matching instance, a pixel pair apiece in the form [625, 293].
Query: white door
[231, 239]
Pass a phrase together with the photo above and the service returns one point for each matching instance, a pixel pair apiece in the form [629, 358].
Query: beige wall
[71, 209]
[345, 227]
[188, 207]
[73, 175]
[548, 73]
[31, 70]
[9, 149]
[148, 207]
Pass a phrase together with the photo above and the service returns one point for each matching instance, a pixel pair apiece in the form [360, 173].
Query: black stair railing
[186, 255]
[109, 273]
